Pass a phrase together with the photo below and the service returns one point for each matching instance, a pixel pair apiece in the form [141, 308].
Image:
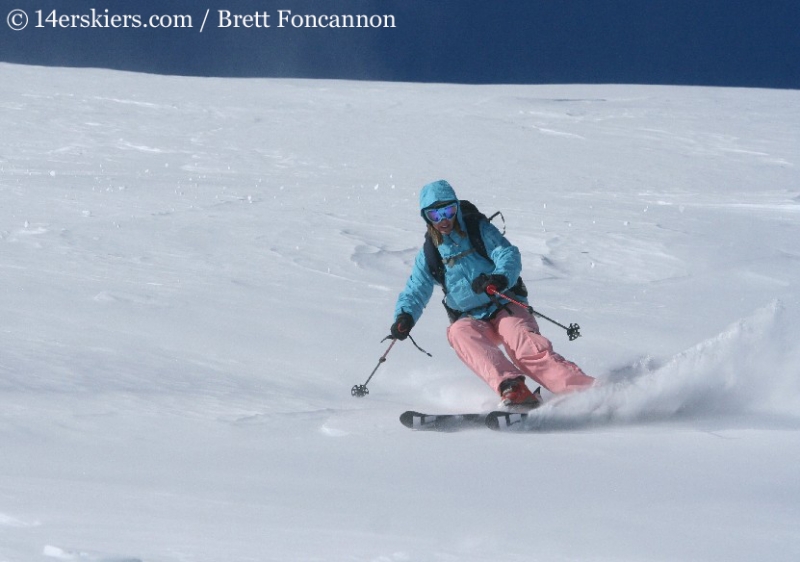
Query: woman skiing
[481, 322]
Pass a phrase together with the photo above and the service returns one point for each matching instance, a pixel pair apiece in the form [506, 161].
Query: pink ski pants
[476, 342]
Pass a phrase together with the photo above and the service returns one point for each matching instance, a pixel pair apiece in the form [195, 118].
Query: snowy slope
[196, 271]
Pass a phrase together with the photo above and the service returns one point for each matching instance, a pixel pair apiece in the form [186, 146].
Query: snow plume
[750, 369]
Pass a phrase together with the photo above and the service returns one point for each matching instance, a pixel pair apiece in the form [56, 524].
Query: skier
[480, 323]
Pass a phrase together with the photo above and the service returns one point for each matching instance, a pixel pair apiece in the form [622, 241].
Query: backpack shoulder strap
[472, 220]
[434, 260]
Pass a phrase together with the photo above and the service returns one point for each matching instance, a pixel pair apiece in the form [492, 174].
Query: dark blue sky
[700, 42]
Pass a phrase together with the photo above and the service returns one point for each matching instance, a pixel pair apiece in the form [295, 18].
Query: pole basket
[573, 331]
[359, 390]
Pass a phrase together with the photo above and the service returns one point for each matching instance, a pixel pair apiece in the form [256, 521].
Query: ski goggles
[441, 213]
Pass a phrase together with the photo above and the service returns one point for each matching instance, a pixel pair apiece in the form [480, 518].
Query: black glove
[402, 326]
[483, 281]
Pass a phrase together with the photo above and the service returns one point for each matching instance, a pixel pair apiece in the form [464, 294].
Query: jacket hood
[435, 192]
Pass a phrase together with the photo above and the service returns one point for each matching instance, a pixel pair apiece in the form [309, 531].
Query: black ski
[506, 421]
[442, 422]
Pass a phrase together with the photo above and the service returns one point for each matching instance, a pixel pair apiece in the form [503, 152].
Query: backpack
[472, 221]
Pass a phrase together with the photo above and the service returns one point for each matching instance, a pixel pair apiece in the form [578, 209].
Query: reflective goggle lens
[441, 213]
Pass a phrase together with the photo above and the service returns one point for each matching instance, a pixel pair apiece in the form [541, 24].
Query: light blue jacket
[460, 273]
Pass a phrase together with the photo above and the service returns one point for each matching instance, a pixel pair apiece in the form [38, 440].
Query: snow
[196, 271]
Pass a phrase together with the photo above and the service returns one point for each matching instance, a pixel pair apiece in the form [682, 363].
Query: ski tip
[492, 420]
[506, 420]
[407, 418]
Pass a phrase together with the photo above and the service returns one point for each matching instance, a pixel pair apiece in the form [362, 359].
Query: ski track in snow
[9, 521]
[81, 556]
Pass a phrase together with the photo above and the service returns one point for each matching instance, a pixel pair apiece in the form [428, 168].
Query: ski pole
[361, 390]
[573, 330]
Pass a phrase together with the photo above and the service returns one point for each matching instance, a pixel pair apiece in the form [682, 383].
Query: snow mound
[81, 556]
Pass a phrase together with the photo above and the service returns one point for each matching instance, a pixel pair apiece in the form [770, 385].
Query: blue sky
[702, 42]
